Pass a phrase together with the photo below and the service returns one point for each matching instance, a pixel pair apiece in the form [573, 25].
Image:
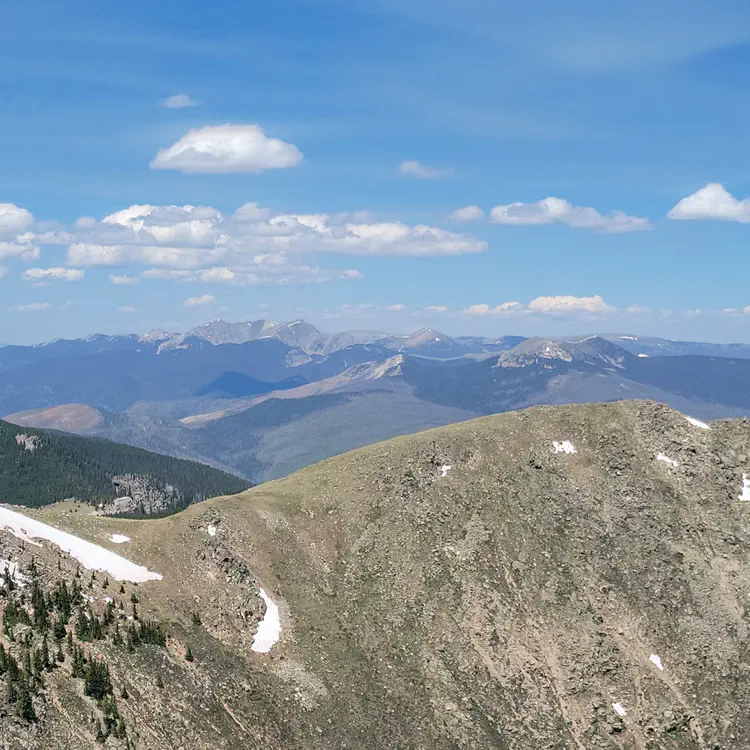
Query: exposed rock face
[538, 579]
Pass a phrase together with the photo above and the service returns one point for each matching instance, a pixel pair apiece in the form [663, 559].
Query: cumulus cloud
[468, 213]
[32, 307]
[567, 303]
[559, 305]
[123, 280]
[436, 308]
[415, 169]
[179, 101]
[227, 148]
[253, 245]
[712, 202]
[506, 308]
[47, 274]
[204, 299]
[13, 219]
[396, 308]
[559, 211]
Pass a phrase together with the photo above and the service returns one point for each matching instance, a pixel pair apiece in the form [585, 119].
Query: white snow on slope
[120, 538]
[91, 556]
[211, 529]
[666, 459]
[444, 469]
[697, 423]
[563, 446]
[654, 659]
[10, 569]
[619, 709]
[629, 338]
[643, 356]
[269, 628]
[745, 494]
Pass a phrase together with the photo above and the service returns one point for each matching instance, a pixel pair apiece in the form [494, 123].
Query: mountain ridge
[533, 579]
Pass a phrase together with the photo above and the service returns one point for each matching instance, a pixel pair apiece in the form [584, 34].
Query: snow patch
[697, 423]
[119, 538]
[91, 556]
[211, 529]
[619, 709]
[629, 338]
[444, 469]
[10, 570]
[269, 628]
[643, 356]
[745, 494]
[654, 659]
[563, 446]
[666, 460]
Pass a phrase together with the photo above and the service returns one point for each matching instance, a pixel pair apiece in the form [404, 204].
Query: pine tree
[24, 704]
[188, 654]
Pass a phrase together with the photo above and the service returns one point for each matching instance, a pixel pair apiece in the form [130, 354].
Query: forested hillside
[39, 467]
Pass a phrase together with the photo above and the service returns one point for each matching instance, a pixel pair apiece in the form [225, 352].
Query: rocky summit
[561, 577]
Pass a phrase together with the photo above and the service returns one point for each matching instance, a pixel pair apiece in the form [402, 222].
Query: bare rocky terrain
[560, 577]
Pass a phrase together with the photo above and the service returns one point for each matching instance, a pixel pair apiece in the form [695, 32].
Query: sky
[477, 166]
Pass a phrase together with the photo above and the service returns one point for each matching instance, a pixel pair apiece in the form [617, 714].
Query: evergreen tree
[24, 704]
[188, 654]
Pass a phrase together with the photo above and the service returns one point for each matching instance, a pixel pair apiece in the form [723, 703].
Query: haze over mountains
[262, 399]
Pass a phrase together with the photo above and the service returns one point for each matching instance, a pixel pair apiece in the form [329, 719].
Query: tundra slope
[536, 579]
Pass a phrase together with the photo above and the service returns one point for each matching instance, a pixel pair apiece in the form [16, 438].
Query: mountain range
[262, 399]
[566, 577]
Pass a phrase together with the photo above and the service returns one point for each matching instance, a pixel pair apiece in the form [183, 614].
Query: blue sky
[354, 134]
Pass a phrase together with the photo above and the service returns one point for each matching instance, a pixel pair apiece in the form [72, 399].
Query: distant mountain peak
[592, 349]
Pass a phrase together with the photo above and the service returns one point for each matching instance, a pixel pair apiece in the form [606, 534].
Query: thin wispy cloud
[202, 301]
[423, 172]
[179, 101]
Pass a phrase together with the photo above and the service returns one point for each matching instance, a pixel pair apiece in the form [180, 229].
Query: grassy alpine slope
[38, 467]
[576, 579]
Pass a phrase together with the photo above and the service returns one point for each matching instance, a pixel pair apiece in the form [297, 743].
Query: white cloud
[13, 219]
[124, 280]
[204, 299]
[127, 309]
[436, 308]
[712, 202]
[415, 169]
[396, 308]
[560, 305]
[250, 246]
[227, 148]
[61, 274]
[21, 246]
[32, 307]
[559, 211]
[567, 303]
[507, 308]
[637, 309]
[468, 213]
[179, 101]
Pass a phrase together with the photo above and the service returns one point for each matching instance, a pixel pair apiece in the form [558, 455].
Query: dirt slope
[527, 597]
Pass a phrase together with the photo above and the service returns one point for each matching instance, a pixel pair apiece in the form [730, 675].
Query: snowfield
[91, 556]
[269, 629]
[697, 423]
[120, 538]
